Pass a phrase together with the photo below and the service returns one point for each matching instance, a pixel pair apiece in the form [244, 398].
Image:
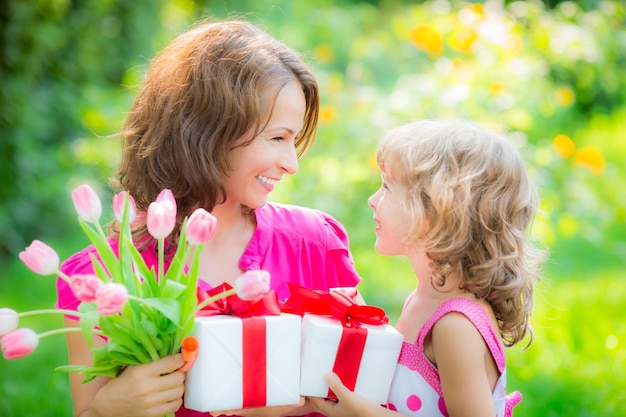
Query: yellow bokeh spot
[328, 114]
[563, 146]
[543, 157]
[477, 8]
[462, 40]
[427, 38]
[372, 162]
[324, 53]
[591, 157]
[564, 96]
[567, 225]
[497, 88]
[513, 43]
[520, 119]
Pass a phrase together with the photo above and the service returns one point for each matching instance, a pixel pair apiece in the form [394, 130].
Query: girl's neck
[425, 289]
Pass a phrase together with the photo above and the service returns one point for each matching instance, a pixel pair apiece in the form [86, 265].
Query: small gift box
[351, 340]
[243, 361]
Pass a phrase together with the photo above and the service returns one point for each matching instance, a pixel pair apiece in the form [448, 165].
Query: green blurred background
[551, 72]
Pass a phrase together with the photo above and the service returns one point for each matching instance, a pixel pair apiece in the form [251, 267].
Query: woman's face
[390, 216]
[257, 167]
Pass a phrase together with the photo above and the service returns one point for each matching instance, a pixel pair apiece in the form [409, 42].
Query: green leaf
[88, 321]
[91, 372]
[149, 275]
[102, 246]
[123, 336]
[173, 289]
[175, 271]
[168, 307]
[125, 358]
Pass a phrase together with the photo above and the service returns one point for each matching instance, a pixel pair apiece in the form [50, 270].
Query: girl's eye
[277, 138]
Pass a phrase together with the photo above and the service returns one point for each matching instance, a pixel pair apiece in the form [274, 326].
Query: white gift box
[215, 381]
[320, 342]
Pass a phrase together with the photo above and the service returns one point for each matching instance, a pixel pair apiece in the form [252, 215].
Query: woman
[223, 114]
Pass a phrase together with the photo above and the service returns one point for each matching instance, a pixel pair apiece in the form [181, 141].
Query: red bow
[232, 305]
[337, 302]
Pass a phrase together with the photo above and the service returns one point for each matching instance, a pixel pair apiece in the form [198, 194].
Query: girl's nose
[371, 202]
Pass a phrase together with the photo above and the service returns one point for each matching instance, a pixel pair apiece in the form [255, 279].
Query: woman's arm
[150, 390]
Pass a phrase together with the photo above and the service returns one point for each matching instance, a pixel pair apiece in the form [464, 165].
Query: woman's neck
[232, 220]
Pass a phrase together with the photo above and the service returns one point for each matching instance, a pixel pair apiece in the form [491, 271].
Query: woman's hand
[150, 390]
[274, 411]
[348, 404]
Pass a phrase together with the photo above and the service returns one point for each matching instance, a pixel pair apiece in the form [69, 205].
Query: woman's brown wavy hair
[471, 204]
[205, 91]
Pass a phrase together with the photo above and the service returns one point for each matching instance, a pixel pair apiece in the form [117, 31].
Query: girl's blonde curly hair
[471, 205]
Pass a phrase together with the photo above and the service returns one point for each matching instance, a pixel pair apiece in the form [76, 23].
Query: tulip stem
[208, 301]
[66, 330]
[160, 277]
[49, 311]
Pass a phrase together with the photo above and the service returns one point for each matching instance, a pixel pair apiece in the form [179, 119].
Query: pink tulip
[118, 206]
[252, 285]
[161, 219]
[110, 298]
[40, 258]
[8, 321]
[166, 195]
[19, 343]
[200, 227]
[87, 203]
[85, 287]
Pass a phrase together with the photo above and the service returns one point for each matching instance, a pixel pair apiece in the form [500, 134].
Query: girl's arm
[467, 370]
[151, 390]
[349, 404]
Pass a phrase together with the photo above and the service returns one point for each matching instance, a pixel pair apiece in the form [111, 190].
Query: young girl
[223, 114]
[457, 202]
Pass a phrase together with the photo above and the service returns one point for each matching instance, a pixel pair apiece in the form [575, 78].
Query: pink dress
[416, 387]
[294, 244]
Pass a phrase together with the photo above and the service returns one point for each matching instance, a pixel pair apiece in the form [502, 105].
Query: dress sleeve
[79, 263]
[340, 270]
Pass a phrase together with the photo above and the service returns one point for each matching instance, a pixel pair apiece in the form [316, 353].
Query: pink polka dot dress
[416, 388]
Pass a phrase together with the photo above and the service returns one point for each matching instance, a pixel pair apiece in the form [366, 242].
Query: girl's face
[390, 216]
[257, 167]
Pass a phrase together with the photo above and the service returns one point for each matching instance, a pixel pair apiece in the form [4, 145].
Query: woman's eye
[277, 138]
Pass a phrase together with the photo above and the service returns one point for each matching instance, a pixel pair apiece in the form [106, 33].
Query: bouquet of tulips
[145, 314]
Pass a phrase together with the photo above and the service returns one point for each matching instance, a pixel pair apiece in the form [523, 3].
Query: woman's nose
[289, 160]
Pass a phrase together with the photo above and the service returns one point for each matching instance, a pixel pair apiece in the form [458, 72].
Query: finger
[166, 365]
[172, 380]
[335, 384]
[166, 394]
[322, 405]
[189, 352]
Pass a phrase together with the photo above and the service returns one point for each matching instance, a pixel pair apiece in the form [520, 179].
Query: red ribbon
[254, 362]
[232, 305]
[254, 355]
[339, 303]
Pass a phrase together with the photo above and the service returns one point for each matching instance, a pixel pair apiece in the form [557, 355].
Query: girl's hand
[348, 404]
[150, 390]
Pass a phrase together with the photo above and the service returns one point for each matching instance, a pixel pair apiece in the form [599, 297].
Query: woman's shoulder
[79, 262]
